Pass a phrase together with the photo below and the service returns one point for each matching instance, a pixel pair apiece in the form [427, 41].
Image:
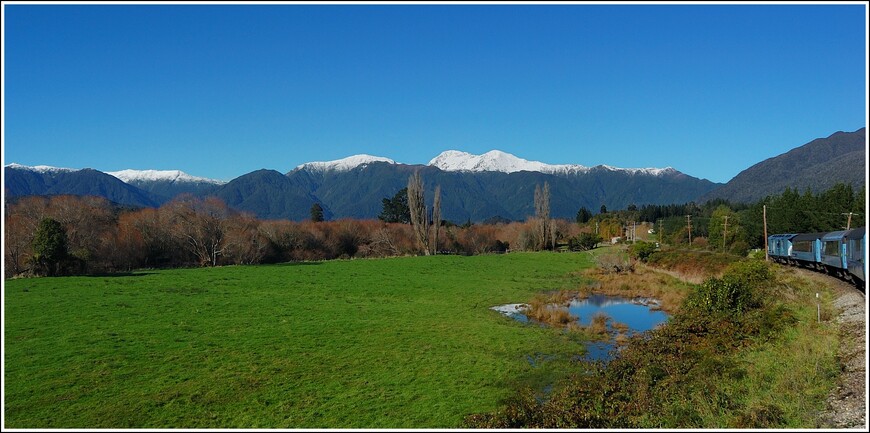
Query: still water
[639, 314]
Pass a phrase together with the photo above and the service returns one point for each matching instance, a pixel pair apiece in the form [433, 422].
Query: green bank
[390, 343]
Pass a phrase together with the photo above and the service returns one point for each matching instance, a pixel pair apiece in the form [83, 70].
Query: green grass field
[389, 343]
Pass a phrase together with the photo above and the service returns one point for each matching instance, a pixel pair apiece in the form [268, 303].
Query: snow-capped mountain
[23, 180]
[474, 187]
[344, 164]
[39, 168]
[131, 176]
[496, 160]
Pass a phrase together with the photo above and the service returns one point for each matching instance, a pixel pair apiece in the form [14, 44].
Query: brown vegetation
[551, 307]
[644, 281]
[598, 323]
[190, 231]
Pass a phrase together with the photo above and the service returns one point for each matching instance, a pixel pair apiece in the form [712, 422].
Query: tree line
[75, 235]
[61, 235]
[737, 227]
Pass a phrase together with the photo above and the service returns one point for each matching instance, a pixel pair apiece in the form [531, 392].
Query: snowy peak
[496, 160]
[39, 168]
[344, 164]
[160, 175]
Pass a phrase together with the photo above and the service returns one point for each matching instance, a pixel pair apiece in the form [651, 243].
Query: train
[840, 253]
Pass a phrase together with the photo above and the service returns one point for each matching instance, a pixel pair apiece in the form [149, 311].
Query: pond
[635, 315]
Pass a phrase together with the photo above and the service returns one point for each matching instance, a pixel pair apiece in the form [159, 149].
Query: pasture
[386, 343]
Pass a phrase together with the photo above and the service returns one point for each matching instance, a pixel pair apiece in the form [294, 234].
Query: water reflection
[637, 314]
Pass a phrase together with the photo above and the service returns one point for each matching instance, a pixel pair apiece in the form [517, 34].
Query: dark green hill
[477, 196]
[22, 182]
[817, 165]
[269, 194]
[165, 190]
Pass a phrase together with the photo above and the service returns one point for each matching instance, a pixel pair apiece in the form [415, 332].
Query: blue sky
[222, 90]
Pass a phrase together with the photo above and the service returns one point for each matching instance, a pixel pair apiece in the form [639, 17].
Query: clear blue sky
[222, 90]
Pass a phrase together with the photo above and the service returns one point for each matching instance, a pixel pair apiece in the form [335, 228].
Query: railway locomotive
[839, 253]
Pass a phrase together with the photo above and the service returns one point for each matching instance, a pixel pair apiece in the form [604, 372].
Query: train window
[857, 252]
[832, 248]
[804, 246]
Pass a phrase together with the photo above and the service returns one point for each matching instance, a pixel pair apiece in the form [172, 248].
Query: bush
[583, 242]
[49, 246]
[641, 250]
[735, 292]
[722, 296]
[751, 272]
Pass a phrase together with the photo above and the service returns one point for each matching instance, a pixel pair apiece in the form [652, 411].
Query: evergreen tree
[49, 246]
[583, 215]
[316, 213]
[723, 228]
[396, 210]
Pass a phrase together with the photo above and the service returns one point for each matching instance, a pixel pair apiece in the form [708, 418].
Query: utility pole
[766, 254]
[725, 233]
[661, 231]
[849, 221]
[689, 222]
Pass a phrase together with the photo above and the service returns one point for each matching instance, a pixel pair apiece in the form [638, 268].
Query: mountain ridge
[495, 184]
[816, 165]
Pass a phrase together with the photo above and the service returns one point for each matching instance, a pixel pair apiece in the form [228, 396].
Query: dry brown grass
[598, 323]
[552, 307]
[555, 315]
[622, 339]
[644, 281]
[615, 263]
[619, 326]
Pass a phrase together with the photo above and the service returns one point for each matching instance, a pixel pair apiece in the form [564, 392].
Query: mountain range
[474, 187]
[817, 166]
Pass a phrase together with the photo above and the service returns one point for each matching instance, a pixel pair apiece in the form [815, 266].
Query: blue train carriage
[779, 247]
[855, 243]
[807, 250]
[835, 253]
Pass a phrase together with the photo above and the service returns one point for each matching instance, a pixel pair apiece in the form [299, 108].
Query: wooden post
[661, 231]
[633, 231]
[689, 223]
[766, 255]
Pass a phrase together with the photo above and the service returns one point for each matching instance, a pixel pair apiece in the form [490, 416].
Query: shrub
[49, 246]
[735, 291]
[722, 296]
[583, 242]
[641, 250]
[751, 272]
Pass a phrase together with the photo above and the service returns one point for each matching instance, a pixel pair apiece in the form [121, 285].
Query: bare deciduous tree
[545, 233]
[436, 218]
[419, 214]
[201, 224]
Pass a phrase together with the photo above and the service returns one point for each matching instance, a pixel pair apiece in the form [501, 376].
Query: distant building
[615, 239]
